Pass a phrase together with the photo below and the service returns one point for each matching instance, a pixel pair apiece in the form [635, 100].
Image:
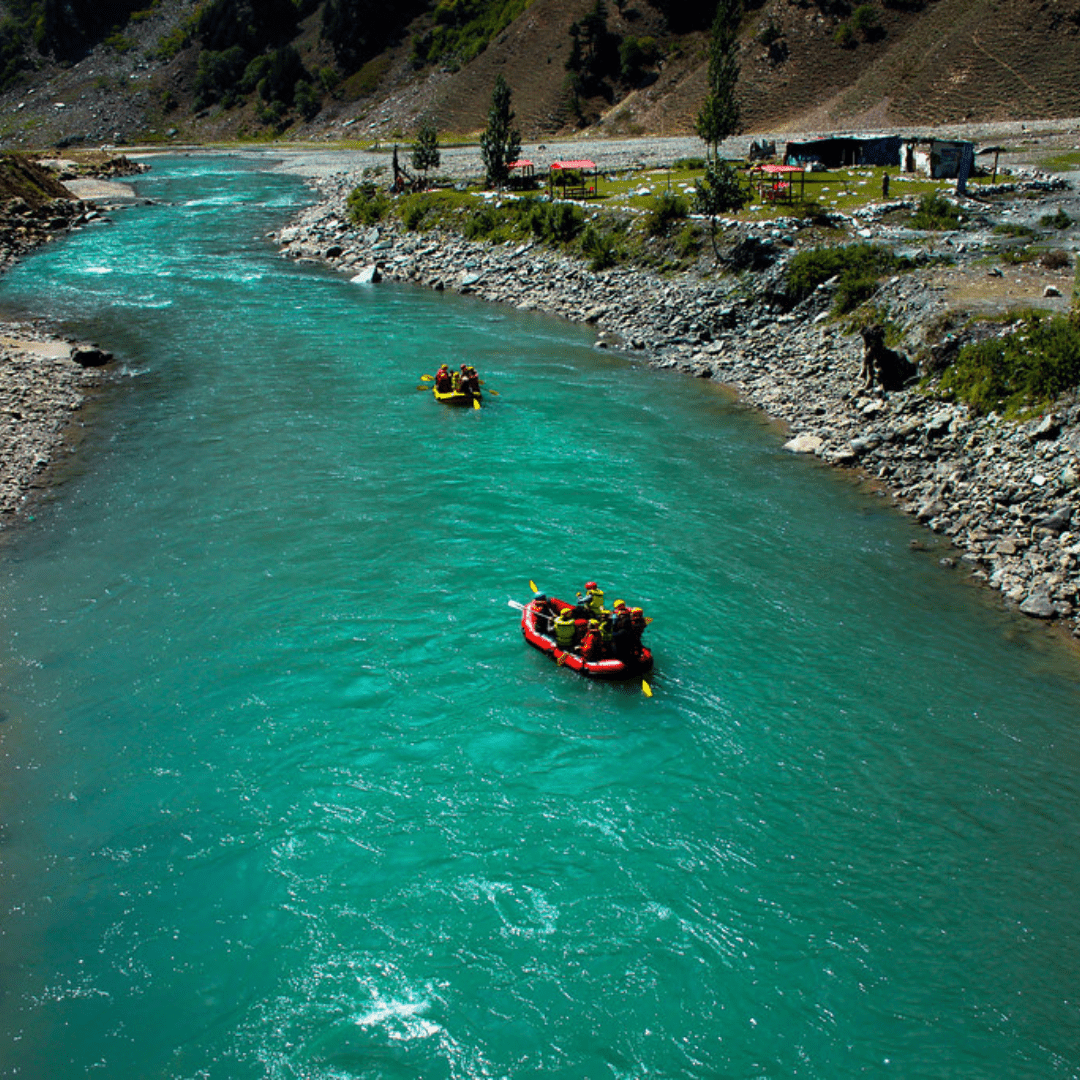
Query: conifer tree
[501, 141]
[719, 116]
[425, 151]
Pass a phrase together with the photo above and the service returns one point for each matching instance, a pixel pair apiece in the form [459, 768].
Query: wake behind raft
[535, 627]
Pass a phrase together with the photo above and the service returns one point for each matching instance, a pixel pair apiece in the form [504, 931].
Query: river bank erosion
[1004, 494]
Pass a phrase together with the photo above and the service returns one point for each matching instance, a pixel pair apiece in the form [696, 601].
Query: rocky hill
[192, 71]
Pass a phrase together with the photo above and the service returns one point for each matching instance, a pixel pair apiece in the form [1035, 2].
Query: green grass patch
[1026, 370]
[1066, 162]
[366, 80]
[462, 30]
[1011, 229]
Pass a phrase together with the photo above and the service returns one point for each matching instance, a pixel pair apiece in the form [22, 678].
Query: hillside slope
[909, 63]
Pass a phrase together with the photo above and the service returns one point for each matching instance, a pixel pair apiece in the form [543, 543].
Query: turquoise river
[284, 793]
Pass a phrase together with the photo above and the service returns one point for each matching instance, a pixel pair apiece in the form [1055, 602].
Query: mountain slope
[805, 64]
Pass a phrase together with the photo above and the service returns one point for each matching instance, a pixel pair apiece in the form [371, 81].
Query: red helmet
[590, 585]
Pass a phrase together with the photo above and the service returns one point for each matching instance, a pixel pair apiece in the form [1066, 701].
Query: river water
[285, 794]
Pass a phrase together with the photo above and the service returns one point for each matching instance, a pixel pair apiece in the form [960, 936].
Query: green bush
[688, 242]
[635, 55]
[845, 37]
[1031, 367]
[936, 213]
[367, 205]
[1060, 220]
[858, 268]
[554, 223]
[600, 248]
[1011, 229]
[664, 211]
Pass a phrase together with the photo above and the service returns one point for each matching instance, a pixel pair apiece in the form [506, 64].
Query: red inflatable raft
[609, 668]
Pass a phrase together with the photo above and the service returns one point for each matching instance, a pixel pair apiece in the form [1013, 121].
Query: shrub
[858, 268]
[665, 210]
[1060, 220]
[367, 205]
[936, 213]
[1011, 229]
[556, 223]
[864, 20]
[1032, 366]
[688, 242]
[599, 248]
[1055, 259]
[635, 55]
[845, 37]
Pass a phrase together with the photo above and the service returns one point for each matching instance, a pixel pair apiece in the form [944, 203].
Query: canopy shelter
[997, 151]
[522, 173]
[573, 179]
[776, 183]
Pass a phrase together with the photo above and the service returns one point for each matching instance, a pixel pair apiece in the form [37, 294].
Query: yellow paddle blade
[646, 689]
[532, 585]
[423, 387]
[648, 618]
[475, 403]
[428, 378]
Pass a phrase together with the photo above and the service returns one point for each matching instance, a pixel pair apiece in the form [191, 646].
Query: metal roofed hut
[573, 179]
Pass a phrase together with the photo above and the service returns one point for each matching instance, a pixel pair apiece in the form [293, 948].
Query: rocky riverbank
[44, 380]
[43, 383]
[1007, 495]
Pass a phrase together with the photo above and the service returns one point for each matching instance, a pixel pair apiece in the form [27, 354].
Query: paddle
[475, 403]
[428, 378]
[514, 604]
[646, 689]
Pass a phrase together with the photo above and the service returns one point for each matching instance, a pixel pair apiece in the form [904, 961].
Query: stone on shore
[805, 444]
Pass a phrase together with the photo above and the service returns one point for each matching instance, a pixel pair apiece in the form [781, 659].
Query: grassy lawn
[1066, 162]
[842, 190]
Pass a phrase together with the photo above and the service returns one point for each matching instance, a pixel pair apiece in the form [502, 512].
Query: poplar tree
[501, 141]
[719, 116]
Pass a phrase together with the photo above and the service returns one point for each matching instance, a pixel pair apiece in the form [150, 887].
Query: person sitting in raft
[592, 645]
[565, 629]
[472, 379]
[455, 382]
[542, 614]
[637, 628]
[444, 383]
[593, 601]
[620, 630]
